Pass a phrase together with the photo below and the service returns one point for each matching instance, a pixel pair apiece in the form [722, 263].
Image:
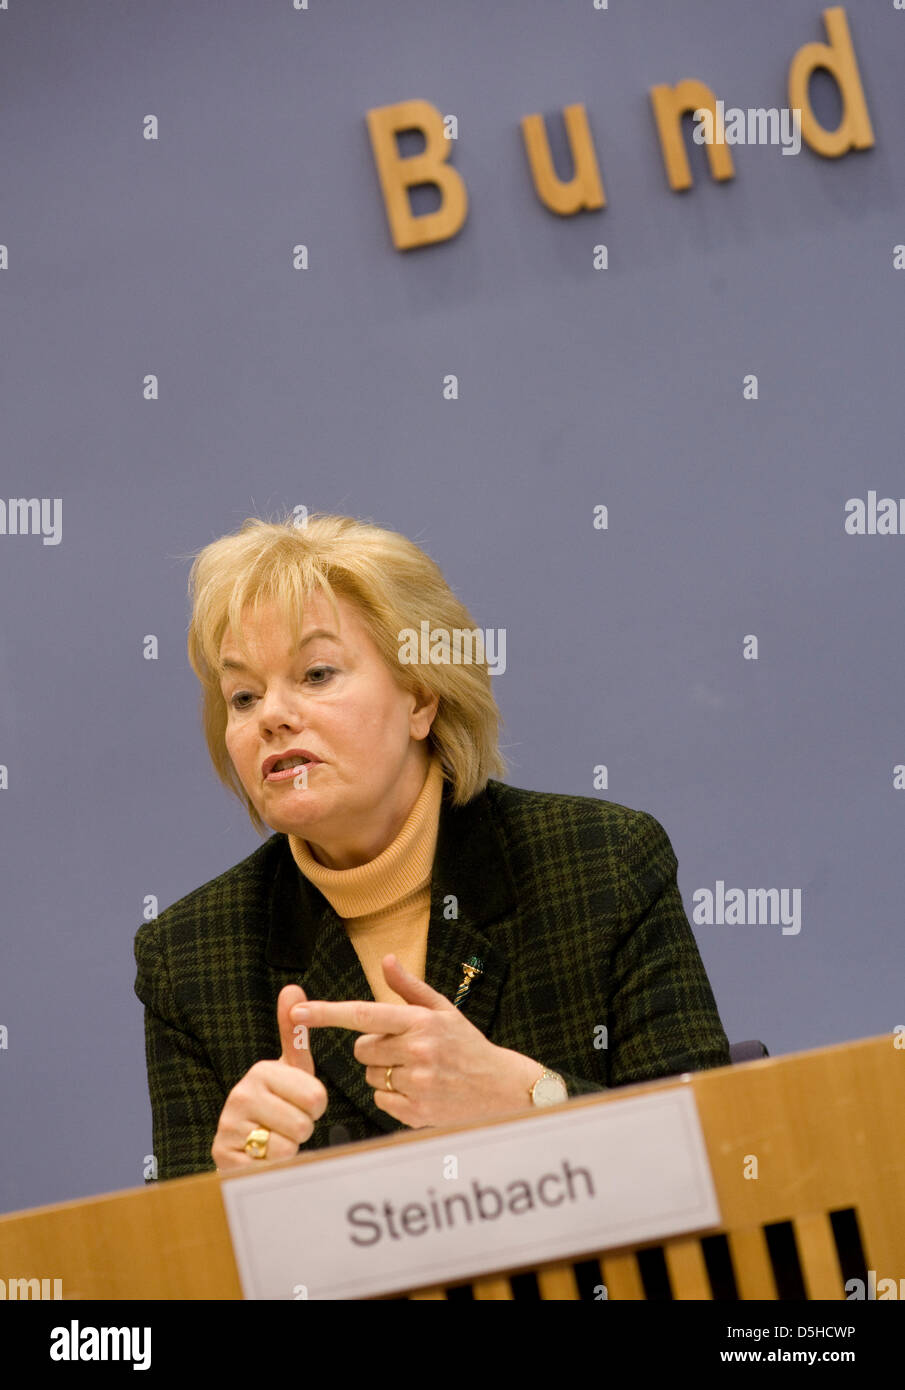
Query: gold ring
[256, 1143]
[389, 1079]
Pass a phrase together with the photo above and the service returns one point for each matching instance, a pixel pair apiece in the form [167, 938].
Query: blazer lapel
[471, 885]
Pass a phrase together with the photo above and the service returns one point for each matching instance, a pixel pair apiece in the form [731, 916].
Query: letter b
[397, 175]
[479, 1194]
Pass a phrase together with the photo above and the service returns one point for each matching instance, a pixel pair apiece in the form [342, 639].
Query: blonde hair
[393, 585]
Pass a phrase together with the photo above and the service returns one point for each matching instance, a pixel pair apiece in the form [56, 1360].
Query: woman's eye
[318, 675]
[320, 671]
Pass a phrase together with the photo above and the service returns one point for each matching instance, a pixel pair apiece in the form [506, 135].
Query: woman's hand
[283, 1096]
[444, 1069]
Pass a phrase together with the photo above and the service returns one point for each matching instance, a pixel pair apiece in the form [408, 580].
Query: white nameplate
[563, 1184]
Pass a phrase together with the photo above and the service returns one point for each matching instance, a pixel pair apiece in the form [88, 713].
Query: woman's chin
[293, 813]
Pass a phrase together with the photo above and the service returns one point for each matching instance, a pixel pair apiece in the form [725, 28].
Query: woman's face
[334, 699]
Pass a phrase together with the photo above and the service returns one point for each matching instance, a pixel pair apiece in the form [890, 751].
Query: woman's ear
[424, 712]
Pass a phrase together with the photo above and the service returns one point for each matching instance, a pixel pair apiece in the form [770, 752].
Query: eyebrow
[229, 665]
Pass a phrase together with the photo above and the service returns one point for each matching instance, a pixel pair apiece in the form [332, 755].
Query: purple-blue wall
[577, 387]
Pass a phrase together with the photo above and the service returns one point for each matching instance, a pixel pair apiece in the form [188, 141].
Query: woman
[416, 943]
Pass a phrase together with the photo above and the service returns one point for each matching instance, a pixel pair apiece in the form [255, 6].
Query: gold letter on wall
[854, 131]
[584, 189]
[397, 175]
[670, 105]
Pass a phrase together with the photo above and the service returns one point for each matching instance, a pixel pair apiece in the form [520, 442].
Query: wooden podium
[827, 1205]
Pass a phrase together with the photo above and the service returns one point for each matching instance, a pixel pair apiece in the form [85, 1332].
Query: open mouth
[289, 766]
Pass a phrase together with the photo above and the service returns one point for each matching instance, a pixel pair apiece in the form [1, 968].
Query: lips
[282, 765]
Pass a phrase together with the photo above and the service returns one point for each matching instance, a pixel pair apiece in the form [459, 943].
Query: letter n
[670, 105]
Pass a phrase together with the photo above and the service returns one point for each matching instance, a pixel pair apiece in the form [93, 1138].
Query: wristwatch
[548, 1089]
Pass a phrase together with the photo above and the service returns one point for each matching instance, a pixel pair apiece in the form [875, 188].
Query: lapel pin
[471, 969]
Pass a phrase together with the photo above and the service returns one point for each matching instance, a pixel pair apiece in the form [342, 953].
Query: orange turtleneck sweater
[385, 904]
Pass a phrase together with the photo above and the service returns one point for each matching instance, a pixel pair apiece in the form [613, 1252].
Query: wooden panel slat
[687, 1270]
[622, 1277]
[557, 1282]
[751, 1264]
[882, 1227]
[495, 1288]
[817, 1254]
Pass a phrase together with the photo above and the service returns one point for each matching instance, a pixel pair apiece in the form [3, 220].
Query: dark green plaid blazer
[572, 904]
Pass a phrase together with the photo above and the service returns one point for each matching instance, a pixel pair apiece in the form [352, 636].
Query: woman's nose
[279, 706]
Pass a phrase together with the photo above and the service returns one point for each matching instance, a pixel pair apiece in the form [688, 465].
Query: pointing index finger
[359, 1015]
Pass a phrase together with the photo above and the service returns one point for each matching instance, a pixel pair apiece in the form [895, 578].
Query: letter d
[854, 131]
